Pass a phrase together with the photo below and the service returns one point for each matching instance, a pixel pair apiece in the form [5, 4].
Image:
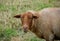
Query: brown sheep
[45, 23]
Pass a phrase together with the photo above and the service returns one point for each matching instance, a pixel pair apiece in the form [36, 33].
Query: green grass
[2, 7]
[6, 34]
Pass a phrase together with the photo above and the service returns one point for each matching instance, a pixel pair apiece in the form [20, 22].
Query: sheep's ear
[17, 16]
[35, 16]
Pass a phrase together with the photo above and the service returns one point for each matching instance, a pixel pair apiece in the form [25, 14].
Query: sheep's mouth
[25, 30]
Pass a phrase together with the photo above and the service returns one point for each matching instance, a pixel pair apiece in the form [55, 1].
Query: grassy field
[10, 28]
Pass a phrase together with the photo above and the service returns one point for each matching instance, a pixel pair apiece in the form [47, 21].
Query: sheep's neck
[36, 30]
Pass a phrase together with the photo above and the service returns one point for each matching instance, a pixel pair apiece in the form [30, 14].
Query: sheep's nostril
[25, 29]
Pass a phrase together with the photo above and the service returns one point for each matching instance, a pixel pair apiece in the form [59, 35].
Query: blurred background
[10, 28]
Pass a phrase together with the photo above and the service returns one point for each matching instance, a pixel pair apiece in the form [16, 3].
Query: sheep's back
[49, 20]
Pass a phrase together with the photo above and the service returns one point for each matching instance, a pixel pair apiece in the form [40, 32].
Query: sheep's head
[26, 19]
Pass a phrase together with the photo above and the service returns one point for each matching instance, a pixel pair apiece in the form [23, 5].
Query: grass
[6, 34]
[2, 7]
[11, 27]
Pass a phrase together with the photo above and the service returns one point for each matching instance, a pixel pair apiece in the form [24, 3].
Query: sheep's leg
[49, 37]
